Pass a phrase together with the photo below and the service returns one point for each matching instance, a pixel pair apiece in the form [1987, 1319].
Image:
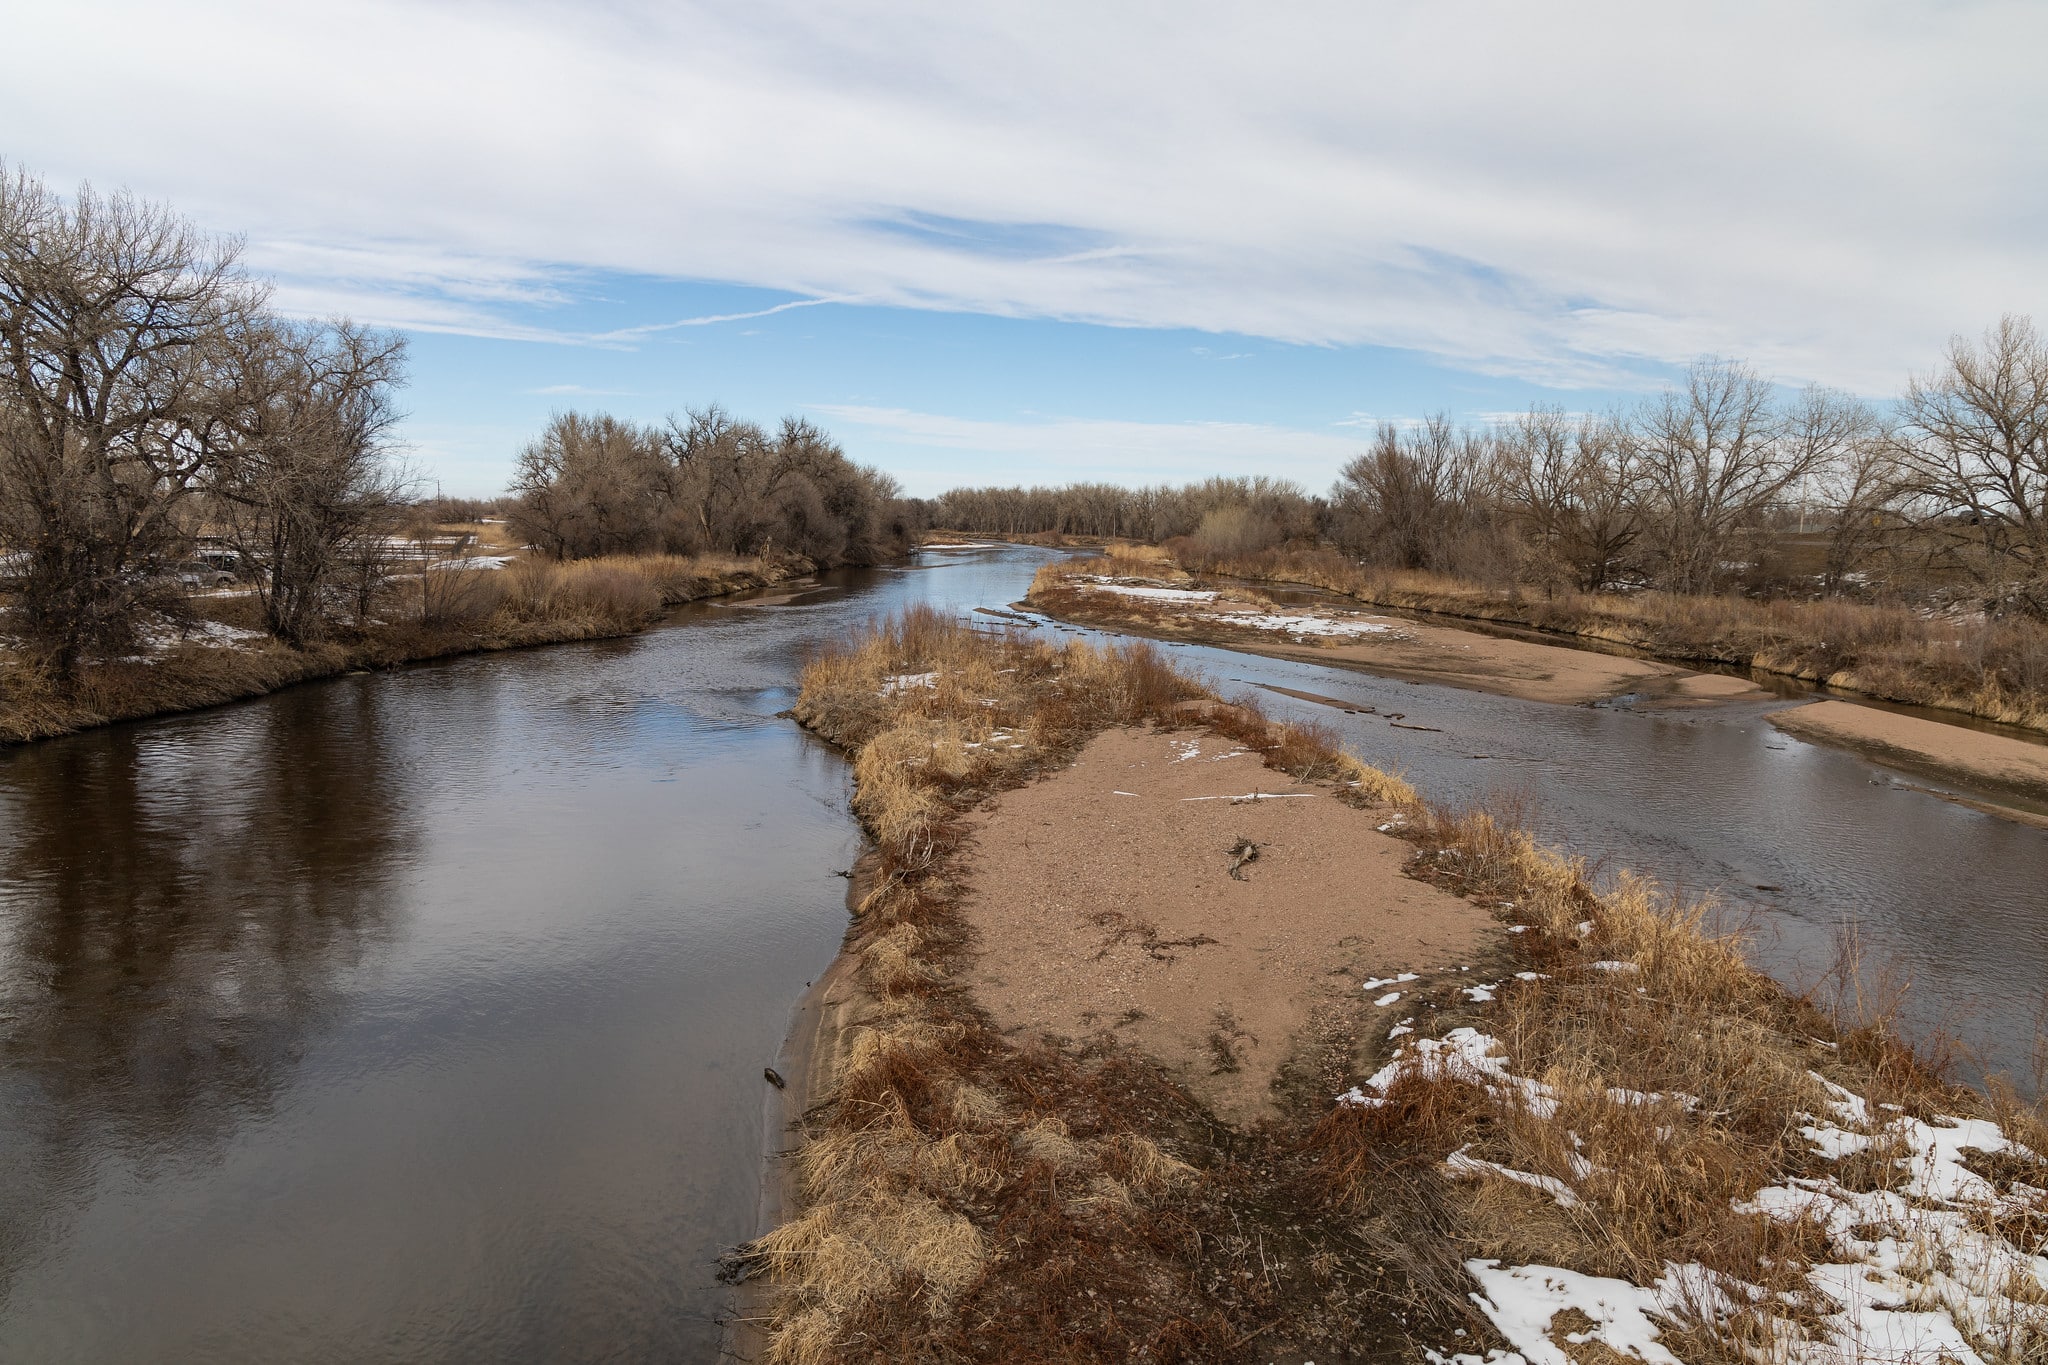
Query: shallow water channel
[421, 1016]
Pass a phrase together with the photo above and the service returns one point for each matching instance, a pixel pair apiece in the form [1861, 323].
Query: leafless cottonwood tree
[118, 322]
[1975, 457]
[591, 485]
[594, 485]
[1718, 454]
[1410, 499]
[309, 480]
[1572, 487]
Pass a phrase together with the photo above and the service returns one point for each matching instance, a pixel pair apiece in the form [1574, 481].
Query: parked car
[196, 575]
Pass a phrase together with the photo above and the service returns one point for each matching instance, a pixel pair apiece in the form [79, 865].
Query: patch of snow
[1389, 998]
[1117, 793]
[1155, 594]
[903, 682]
[1185, 749]
[477, 562]
[1479, 995]
[1406, 1026]
[1611, 966]
[1460, 1163]
[1521, 1300]
[1307, 625]
[1463, 1054]
[1379, 981]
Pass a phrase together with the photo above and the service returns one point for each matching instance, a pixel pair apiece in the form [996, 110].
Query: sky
[1038, 242]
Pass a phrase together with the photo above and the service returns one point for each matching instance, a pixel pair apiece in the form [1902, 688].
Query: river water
[421, 1016]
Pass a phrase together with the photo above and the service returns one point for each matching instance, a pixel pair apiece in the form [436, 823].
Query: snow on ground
[1156, 594]
[1309, 625]
[1918, 1275]
[485, 562]
[903, 682]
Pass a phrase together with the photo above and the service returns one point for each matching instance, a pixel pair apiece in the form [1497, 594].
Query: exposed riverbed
[421, 1016]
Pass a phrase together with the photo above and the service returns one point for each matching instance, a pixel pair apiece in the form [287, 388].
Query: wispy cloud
[1870, 181]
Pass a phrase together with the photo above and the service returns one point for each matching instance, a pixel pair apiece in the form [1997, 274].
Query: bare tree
[1571, 485]
[311, 481]
[1858, 490]
[1716, 456]
[591, 485]
[1975, 455]
[117, 319]
[1410, 499]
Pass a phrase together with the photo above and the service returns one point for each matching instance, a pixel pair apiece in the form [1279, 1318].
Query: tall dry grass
[963, 1197]
[419, 616]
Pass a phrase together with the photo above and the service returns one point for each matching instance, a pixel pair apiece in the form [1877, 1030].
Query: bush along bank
[219, 655]
[1623, 1142]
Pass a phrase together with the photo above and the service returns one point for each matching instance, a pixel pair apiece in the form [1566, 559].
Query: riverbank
[1047, 1142]
[1992, 669]
[2006, 766]
[1139, 591]
[223, 656]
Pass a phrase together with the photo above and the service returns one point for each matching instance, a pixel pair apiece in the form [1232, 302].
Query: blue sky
[1049, 240]
[944, 398]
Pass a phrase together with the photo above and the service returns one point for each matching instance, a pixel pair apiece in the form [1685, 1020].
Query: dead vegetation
[426, 615]
[1993, 667]
[1637, 1093]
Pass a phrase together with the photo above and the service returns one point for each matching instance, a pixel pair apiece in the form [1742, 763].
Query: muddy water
[420, 1017]
[416, 1017]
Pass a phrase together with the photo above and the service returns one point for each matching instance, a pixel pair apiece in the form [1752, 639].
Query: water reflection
[179, 902]
[421, 1017]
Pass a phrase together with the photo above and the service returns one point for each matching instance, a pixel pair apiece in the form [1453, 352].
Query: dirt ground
[1103, 900]
[1948, 751]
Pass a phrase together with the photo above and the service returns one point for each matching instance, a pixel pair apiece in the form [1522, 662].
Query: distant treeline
[703, 483]
[1694, 490]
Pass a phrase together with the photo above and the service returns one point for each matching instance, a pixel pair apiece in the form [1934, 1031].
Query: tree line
[701, 483]
[1690, 490]
[148, 395]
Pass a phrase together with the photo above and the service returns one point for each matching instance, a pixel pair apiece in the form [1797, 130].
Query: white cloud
[1558, 192]
[1057, 450]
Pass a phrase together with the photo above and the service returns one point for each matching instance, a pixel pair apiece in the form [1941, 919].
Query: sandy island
[1102, 899]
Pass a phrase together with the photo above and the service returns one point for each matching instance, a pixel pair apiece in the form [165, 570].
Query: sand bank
[1377, 643]
[1947, 752]
[1102, 899]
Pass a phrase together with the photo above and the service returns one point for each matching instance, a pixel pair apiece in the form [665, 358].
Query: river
[421, 1016]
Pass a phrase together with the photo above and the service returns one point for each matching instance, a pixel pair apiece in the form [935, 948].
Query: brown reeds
[964, 1197]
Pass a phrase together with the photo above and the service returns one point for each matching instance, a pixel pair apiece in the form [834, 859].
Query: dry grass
[965, 1198]
[1997, 669]
[424, 616]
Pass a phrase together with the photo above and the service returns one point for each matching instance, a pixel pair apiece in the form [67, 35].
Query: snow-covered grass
[1925, 1268]
[1654, 1152]
[1234, 609]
